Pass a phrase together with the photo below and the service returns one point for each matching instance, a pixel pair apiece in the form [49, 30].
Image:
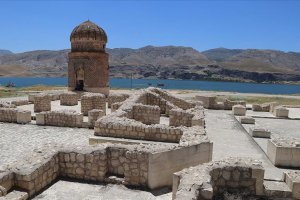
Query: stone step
[15, 195]
[277, 189]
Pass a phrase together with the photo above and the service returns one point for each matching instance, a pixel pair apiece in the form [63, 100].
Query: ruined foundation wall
[20, 102]
[229, 104]
[162, 165]
[8, 115]
[60, 118]
[180, 117]
[116, 98]
[236, 175]
[92, 101]
[174, 100]
[42, 103]
[146, 114]
[131, 129]
[69, 99]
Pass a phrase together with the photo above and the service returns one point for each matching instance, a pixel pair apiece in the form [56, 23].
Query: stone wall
[284, 152]
[174, 100]
[146, 114]
[116, 98]
[92, 101]
[115, 106]
[60, 118]
[162, 165]
[90, 166]
[128, 128]
[208, 102]
[81, 163]
[8, 115]
[93, 116]
[212, 180]
[69, 99]
[42, 102]
[228, 104]
[20, 102]
[188, 118]
[261, 107]
[179, 117]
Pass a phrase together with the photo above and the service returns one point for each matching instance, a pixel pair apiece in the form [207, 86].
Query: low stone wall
[188, 118]
[261, 107]
[20, 102]
[146, 114]
[23, 116]
[116, 98]
[292, 179]
[128, 128]
[69, 99]
[284, 152]
[212, 180]
[81, 163]
[94, 115]
[115, 106]
[239, 110]
[174, 100]
[281, 112]
[8, 115]
[42, 102]
[229, 104]
[208, 102]
[92, 101]
[60, 118]
[179, 117]
[162, 165]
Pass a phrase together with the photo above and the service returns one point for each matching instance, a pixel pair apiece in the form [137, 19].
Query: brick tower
[88, 62]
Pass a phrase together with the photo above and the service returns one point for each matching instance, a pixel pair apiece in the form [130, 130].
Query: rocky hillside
[169, 62]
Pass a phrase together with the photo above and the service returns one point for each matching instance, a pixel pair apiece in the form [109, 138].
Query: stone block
[209, 102]
[40, 118]
[69, 99]
[292, 179]
[23, 116]
[239, 110]
[247, 120]
[281, 112]
[283, 154]
[259, 132]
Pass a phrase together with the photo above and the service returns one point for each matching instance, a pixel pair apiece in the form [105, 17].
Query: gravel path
[18, 141]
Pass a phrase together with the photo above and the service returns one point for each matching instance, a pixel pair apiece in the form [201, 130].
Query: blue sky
[269, 24]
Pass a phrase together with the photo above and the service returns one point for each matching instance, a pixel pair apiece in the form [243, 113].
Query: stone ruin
[241, 178]
[150, 139]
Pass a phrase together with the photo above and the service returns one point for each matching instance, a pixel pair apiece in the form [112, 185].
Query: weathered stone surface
[247, 120]
[239, 110]
[259, 132]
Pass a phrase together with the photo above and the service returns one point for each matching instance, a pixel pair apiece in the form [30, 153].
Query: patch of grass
[261, 99]
[8, 93]
[41, 88]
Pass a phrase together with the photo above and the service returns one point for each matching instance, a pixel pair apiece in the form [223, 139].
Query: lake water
[168, 84]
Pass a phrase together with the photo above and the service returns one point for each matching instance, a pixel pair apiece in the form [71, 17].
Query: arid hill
[168, 62]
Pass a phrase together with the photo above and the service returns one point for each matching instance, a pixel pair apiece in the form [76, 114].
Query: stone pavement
[62, 190]
[18, 141]
[231, 140]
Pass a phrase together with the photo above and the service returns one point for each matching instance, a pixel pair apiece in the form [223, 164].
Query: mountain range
[167, 62]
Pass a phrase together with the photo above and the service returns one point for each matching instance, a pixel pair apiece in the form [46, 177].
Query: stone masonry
[94, 115]
[90, 101]
[60, 118]
[146, 114]
[69, 99]
[42, 102]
